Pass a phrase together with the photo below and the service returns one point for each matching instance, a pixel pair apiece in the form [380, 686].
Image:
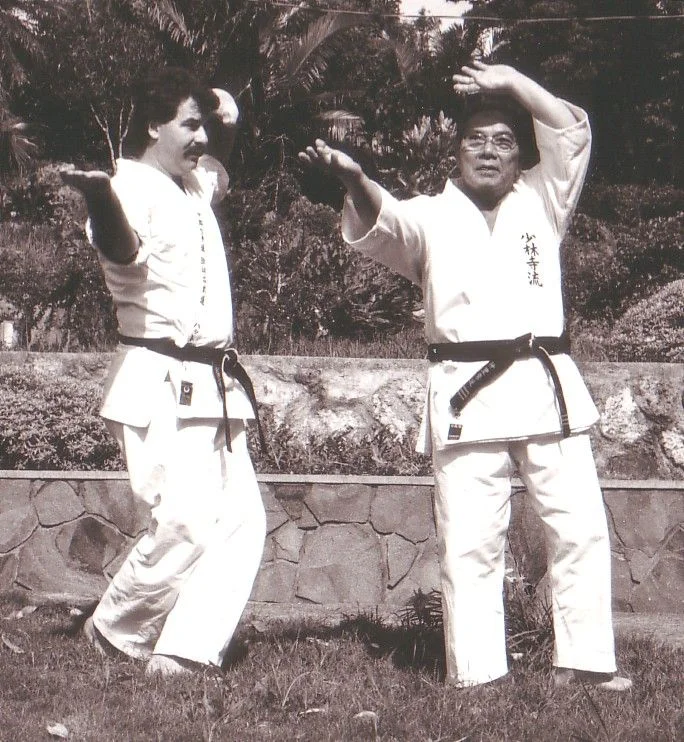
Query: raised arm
[222, 127]
[112, 234]
[364, 193]
[499, 78]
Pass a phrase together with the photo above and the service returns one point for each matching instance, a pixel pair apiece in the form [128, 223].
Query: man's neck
[486, 202]
[148, 158]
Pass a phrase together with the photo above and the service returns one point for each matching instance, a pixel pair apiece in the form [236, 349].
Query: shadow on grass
[414, 640]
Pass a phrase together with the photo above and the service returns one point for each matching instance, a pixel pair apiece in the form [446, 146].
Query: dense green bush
[50, 273]
[626, 242]
[46, 425]
[296, 283]
[298, 278]
[653, 329]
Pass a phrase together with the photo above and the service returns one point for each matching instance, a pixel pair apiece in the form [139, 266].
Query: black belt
[500, 356]
[220, 359]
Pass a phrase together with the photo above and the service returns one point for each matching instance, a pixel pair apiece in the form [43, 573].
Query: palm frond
[16, 148]
[409, 58]
[340, 124]
[171, 21]
[318, 32]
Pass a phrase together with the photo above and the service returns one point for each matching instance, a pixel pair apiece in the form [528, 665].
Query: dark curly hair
[155, 101]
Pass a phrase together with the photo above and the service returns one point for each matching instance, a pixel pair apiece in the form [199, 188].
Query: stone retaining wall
[360, 541]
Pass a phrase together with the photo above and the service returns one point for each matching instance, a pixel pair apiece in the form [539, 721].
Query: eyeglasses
[477, 142]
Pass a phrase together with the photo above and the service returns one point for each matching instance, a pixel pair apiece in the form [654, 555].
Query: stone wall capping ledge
[278, 478]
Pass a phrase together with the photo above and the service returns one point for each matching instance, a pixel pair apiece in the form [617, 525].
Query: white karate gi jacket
[479, 285]
[177, 287]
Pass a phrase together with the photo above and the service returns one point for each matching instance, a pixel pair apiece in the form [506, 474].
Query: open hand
[328, 160]
[227, 111]
[478, 77]
[91, 183]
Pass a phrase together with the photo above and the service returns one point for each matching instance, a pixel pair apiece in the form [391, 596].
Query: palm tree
[19, 47]
[274, 59]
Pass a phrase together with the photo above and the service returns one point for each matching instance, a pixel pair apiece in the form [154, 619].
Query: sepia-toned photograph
[341, 370]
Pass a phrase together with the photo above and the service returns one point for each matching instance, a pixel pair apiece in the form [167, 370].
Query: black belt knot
[500, 355]
[221, 360]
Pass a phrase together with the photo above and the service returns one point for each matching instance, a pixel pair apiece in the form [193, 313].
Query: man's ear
[153, 130]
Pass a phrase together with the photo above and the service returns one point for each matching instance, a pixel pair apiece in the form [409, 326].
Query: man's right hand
[364, 193]
[111, 231]
[331, 161]
[93, 184]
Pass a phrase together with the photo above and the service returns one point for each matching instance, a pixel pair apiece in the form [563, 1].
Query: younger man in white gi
[486, 253]
[176, 398]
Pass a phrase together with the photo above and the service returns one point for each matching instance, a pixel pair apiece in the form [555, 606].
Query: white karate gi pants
[472, 510]
[183, 587]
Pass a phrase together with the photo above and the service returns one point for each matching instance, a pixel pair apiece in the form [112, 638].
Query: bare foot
[96, 640]
[168, 665]
[565, 676]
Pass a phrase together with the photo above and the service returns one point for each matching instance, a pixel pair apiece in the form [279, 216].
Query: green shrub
[297, 278]
[50, 272]
[377, 453]
[653, 329]
[626, 243]
[46, 425]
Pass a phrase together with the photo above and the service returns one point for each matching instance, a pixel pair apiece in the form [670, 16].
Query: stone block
[526, 544]
[672, 442]
[404, 510]
[275, 583]
[424, 575]
[287, 542]
[113, 501]
[655, 594]
[621, 418]
[643, 520]
[292, 500]
[90, 544]
[622, 583]
[45, 565]
[56, 502]
[18, 517]
[341, 564]
[268, 554]
[401, 554]
[340, 503]
[275, 514]
[8, 571]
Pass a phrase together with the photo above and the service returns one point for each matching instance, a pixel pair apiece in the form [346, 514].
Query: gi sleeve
[397, 238]
[135, 204]
[563, 162]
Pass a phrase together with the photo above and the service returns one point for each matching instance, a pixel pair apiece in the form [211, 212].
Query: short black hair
[517, 117]
[155, 100]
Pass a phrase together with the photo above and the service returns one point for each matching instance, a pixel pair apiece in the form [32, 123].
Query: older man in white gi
[176, 398]
[503, 394]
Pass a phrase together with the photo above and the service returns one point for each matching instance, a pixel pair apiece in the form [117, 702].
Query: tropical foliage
[348, 70]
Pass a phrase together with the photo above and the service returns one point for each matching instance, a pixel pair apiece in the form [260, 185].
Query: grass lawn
[360, 680]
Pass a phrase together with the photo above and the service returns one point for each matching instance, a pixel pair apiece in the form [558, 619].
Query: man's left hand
[227, 111]
[478, 77]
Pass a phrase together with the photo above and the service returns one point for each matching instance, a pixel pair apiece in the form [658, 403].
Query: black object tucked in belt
[221, 360]
[500, 355]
